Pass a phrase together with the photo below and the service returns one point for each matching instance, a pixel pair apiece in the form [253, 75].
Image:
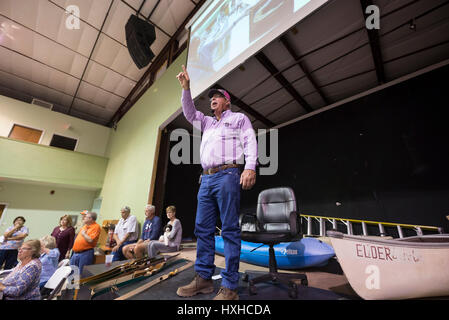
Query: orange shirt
[93, 231]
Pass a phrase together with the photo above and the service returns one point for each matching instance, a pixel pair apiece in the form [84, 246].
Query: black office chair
[276, 221]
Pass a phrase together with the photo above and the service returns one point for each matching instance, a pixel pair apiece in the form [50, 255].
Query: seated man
[150, 231]
[172, 238]
[125, 233]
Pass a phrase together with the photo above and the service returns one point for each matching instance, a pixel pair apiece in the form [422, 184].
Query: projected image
[265, 16]
[210, 43]
[229, 31]
[299, 4]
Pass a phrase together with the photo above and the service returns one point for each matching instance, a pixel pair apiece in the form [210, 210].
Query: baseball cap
[219, 91]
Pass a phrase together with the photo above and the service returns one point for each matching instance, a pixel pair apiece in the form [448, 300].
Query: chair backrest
[63, 263]
[60, 274]
[274, 210]
[4, 273]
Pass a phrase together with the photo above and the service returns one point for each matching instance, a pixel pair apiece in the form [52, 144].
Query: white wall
[92, 138]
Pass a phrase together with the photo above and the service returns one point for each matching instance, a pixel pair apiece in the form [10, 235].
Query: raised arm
[192, 115]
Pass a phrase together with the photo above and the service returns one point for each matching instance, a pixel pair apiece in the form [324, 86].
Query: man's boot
[226, 294]
[198, 285]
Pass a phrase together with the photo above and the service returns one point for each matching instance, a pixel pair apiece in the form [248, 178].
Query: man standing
[85, 242]
[125, 232]
[228, 139]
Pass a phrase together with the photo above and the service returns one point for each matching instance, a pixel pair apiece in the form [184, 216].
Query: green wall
[132, 146]
[41, 209]
[39, 163]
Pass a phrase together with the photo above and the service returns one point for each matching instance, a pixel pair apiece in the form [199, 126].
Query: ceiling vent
[42, 103]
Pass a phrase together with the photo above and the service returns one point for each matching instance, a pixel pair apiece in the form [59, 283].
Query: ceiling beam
[90, 56]
[303, 67]
[374, 42]
[242, 105]
[140, 8]
[263, 59]
[154, 9]
[154, 66]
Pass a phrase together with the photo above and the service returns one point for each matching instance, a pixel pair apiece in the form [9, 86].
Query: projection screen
[227, 32]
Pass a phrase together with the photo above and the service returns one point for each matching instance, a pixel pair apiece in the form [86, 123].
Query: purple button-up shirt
[228, 140]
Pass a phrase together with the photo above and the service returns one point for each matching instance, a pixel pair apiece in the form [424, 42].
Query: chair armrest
[248, 222]
[4, 273]
[295, 223]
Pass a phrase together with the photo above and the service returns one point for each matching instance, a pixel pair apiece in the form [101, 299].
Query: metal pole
[309, 226]
[401, 235]
[334, 224]
[382, 230]
[419, 231]
[364, 229]
[322, 227]
[349, 224]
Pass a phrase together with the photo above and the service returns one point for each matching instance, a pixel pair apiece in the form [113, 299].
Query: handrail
[390, 224]
[349, 222]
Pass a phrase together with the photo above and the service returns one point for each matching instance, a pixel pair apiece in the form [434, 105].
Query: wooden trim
[2, 214]
[155, 163]
[27, 127]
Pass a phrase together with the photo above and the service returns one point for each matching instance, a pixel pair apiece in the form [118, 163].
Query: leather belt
[219, 168]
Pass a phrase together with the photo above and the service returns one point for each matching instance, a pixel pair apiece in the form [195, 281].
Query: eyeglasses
[25, 248]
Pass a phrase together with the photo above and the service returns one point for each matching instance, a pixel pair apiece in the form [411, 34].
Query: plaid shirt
[23, 284]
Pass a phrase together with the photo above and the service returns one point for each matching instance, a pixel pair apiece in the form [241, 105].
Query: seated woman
[172, 238]
[49, 259]
[23, 282]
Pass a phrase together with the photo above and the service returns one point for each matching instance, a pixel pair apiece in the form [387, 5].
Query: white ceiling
[81, 75]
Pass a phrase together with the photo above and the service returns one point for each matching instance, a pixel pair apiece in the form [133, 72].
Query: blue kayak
[307, 252]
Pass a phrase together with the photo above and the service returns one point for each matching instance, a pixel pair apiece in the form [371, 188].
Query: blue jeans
[9, 257]
[219, 193]
[118, 255]
[81, 259]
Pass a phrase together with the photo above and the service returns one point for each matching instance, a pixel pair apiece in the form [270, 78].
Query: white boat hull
[394, 269]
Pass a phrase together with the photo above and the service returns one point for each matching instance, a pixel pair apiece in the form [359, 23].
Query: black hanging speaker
[139, 37]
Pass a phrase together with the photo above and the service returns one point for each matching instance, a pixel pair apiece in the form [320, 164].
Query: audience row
[33, 262]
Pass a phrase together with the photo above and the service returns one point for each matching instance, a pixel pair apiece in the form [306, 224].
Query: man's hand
[248, 179]
[116, 247]
[86, 236]
[183, 78]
